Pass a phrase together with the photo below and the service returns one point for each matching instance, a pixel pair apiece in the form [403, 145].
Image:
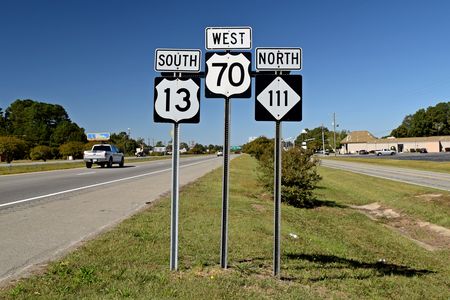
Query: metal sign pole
[174, 208]
[226, 176]
[277, 199]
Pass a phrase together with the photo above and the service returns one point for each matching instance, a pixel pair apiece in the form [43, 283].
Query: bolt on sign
[177, 60]
[275, 59]
[278, 98]
[177, 100]
[228, 38]
[228, 75]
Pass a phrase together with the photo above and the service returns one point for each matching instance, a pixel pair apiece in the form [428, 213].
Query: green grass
[53, 165]
[335, 256]
[441, 166]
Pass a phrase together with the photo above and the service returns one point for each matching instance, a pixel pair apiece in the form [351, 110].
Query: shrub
[41, 152]
[299, 176]
[12, 148]
[74, 149]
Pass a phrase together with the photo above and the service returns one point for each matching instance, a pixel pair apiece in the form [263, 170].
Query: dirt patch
[258, 207]
[427, 235]
[435, 198]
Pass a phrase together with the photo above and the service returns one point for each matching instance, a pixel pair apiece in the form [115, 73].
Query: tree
[198, 149]
[12, 148]
[433, 121]
[41, 123]
[3, 129]
[124, 143]
[74, 149]
[299, 176]
[67, 131]
[258, 146]
[41, 152]
[159, 144]
[184, 145]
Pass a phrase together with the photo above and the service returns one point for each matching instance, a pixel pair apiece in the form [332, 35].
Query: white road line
[97, 184]
[86, 173]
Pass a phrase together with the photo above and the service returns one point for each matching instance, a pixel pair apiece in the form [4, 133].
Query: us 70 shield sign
[228, 75]
[177, 100]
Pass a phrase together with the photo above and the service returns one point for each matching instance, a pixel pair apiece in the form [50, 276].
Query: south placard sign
[177, 100]
[278, 98]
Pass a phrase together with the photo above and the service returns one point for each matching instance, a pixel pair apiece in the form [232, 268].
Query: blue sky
[371, 62]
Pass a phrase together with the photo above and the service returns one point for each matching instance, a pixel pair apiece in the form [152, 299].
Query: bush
[299, 176]
[12, 148]
[41, 152]
[74, 149]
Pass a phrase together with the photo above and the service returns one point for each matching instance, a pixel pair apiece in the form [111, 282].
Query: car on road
[219, 153]
[103, 155]
[363, 152]
[384, 152]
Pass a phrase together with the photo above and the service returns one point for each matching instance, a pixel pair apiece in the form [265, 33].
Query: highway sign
[177, 100]
[228, 75]
[278, 98]
[177, 60]
[227, 38]
[98, 136]
[276, 59]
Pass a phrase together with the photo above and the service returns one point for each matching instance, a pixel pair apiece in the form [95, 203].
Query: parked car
[103, 155]
[422, 150]
[363, 152]
[384, 152]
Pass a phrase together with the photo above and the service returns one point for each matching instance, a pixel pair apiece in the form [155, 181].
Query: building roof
[362, 136]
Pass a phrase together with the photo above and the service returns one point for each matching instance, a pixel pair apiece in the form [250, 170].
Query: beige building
[364, 140]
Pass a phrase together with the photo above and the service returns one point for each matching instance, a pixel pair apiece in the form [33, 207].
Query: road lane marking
[86, 173]
[99, 184]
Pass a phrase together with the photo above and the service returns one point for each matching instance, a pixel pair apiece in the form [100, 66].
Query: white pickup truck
[103, 155]
[384, 152]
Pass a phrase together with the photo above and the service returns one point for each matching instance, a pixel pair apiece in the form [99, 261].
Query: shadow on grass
[319, 203]
[330, 261]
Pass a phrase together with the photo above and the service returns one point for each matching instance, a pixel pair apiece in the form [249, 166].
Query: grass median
[441, 166]
[329, 251]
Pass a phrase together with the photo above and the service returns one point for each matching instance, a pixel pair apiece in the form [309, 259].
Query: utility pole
[323, 141]
[334, 132]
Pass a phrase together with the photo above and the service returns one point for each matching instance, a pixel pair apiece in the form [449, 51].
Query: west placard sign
[177, 100]
[278, 59]
[177, 60]
[278, 98]
[228, 75]
[228, 38]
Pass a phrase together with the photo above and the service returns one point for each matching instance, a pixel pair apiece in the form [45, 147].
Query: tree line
[432, 121]
[36, 130]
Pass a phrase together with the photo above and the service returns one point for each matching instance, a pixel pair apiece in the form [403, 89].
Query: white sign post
[228, 74]
[176, 100]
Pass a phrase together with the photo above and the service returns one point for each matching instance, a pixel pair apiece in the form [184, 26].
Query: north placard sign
[177, 100]
[278, 98]
[278, 59]
[228, 38]
[228, 75]
[177, 60]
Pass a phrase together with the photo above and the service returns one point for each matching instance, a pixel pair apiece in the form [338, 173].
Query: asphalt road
[44, 215]
[423, 178]
[28, 187]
